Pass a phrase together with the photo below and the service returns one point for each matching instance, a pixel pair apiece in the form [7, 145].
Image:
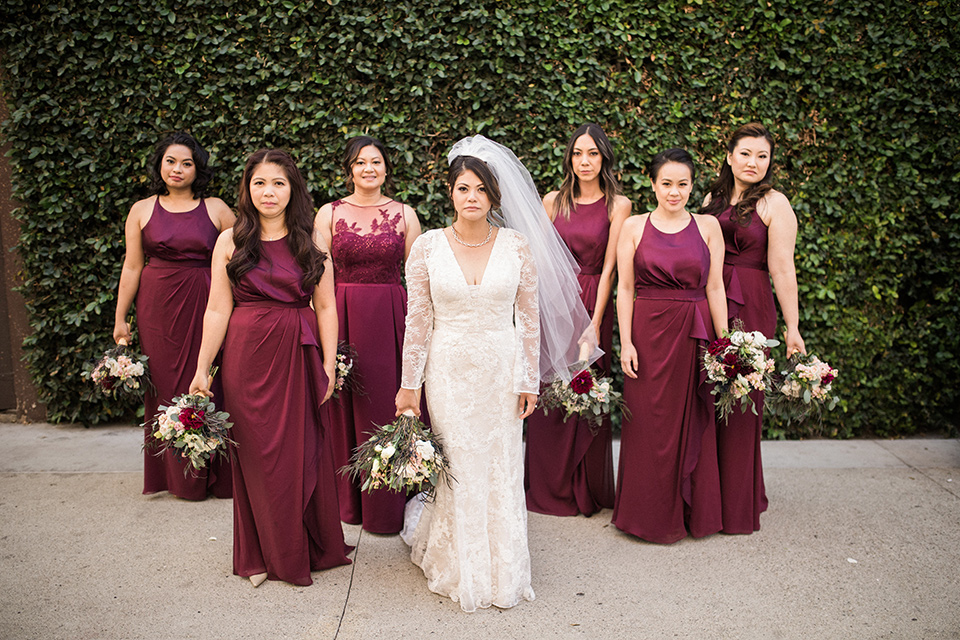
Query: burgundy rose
[827, 379]
[192, 418]
[718, 346]
[582, 382]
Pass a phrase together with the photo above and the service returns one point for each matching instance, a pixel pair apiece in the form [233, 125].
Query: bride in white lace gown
[473, 338]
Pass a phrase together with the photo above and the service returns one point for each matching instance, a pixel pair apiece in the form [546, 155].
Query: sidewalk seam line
[917, 469]
[353, 570]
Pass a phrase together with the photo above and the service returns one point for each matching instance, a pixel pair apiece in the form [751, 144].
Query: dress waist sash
[656, 293]
[179, 264]
[737, 261]
[299, 304]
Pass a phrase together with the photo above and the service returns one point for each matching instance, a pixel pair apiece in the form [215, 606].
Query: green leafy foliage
[862, 99]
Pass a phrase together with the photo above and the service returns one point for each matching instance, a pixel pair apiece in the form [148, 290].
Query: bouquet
[345, 379]
[193, 427]
[120, 372]
[585, 395]
[803, 387]
[400, 456]
[738, 364]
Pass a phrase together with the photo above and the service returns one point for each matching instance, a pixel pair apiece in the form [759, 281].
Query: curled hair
[201, 161]
[352, 151]
[298, 218]
[670, 155]
[721, 191]
[462, 164]
[570, 187]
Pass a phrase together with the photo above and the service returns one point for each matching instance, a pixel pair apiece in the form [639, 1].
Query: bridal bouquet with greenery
[803, 388]
[401, 456]
[586, 395]
[120, 372]
[193, 428]
[737, 364]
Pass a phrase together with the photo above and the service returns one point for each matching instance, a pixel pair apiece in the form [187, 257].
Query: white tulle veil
[567, 339]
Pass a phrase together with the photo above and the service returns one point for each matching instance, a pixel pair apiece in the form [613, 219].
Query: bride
[493, 305]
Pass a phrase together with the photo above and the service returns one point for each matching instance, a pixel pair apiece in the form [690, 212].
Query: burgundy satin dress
[750, 298]
[568, 468]
[285, 515]
[368, 249]
[171, 299]
[668, 483]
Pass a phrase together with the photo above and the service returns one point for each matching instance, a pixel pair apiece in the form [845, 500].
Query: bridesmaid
[279, 355]
[760, 233]
[369, 235]
[169, 240]
[569, 466]
[670, 304]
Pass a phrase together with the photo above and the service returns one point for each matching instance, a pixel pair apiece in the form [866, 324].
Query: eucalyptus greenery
[862, 97]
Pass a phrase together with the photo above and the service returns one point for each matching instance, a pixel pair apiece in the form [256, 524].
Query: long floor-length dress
[171, 300]
[667, 482]
[285, 515]
[749, 298]
[569, 466]
[367, 250]
[476, 347]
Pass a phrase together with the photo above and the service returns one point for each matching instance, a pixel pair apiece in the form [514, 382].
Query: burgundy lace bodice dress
[749, 298]
[569, 466]
[171, 300]
[368, 250]
[667, 481]
[285, 515]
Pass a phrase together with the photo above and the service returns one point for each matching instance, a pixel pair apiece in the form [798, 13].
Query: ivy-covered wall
[862, 97]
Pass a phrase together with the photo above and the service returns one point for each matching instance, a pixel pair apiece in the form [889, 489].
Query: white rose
[425, 449]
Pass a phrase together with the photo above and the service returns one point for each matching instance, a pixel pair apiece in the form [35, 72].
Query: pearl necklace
[456, 236]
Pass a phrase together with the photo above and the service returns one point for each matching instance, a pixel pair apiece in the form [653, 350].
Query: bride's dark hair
[298, 218]
[462, 164]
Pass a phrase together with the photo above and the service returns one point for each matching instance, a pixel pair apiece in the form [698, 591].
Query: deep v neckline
[463, 275]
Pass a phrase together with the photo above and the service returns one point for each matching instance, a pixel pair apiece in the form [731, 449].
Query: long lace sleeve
[416, 339]
[527, 319]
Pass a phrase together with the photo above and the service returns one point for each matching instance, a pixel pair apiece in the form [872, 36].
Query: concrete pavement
[862, 540]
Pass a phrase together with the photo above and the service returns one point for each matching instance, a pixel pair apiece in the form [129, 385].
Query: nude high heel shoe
[258, 579]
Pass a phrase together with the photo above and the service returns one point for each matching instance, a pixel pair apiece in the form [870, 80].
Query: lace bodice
[368, 242]
[505, 301]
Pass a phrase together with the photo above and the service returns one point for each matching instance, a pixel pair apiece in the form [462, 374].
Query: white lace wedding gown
[476, 348]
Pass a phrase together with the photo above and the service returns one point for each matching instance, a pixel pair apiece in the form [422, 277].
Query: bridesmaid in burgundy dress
[760, 233]
[569, 465]
[670, 304]
[170, 237]
[369, 235]
[279, 355]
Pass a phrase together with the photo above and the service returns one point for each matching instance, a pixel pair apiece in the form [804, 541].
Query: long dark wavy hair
[201, 160]
[462, 164]
[298, 219]
[570, 187]
[721, 191]
[352, 151]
